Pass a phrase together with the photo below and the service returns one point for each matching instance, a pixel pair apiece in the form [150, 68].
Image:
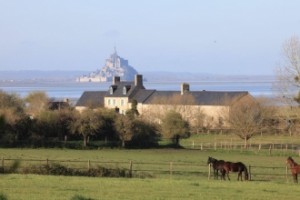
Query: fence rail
[257, 147]
[155, 169]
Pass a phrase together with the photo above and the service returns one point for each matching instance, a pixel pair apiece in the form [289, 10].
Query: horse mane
[292, 160]
[212, 160]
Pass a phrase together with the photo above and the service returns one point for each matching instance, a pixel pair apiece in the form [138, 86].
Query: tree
[145, 134]
[124, 127]
[175, 127]
[289, 71]
[14, 120]
[133, 112]
[36, 102]
[87, 123]
[245, 118]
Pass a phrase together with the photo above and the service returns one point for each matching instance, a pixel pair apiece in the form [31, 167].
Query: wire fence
[152, 169]
[271, 148]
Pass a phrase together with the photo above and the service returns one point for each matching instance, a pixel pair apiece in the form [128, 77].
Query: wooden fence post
[89, 165]
[270, 149]
[130, 169]
[47, 165]
[3, 164]
[249, 173]
[286, 173]
[171, 169]
[193, 144]
[209, 170]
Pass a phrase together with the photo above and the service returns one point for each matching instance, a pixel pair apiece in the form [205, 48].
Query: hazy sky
[209, 36]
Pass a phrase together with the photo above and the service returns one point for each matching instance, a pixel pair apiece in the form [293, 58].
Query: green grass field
[31, 187]
[268, 174]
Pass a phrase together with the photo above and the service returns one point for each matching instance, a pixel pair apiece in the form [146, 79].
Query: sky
[197, 36]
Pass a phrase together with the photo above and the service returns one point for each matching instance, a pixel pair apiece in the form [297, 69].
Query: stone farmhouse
[200, 108]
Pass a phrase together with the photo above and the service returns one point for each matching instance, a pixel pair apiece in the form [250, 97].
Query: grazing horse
[217, 165]
[235, 167]
[295, 168]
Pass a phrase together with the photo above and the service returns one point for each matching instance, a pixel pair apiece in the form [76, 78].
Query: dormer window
[112, 89]
[126, 89]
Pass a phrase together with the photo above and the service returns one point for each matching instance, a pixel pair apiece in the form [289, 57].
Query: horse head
[211, 160]
[246, 176]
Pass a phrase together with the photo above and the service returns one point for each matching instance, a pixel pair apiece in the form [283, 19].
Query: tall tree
[175, 127]
[125, 128]
[289, 71]
[13, 116]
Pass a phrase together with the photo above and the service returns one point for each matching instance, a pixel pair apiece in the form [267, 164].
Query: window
[122, 102]
[114, 102]
[108, 102]
[111, 90]
[124, 90]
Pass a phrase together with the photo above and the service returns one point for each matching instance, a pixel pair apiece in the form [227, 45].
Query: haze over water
[73, 90]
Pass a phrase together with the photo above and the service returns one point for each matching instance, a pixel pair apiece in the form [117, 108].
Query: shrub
[58, 169]
[3, 196]
[79, 197]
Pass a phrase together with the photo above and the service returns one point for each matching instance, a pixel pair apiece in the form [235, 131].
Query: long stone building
[208, 108]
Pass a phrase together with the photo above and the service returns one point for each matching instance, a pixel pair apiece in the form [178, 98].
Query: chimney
[138, 80]
[185, 87]
[116, 80]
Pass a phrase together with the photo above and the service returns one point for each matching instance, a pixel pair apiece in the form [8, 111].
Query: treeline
[35, 121]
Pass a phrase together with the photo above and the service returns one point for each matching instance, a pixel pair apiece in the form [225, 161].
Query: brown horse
[235, 167]
[217, 166]
[295, 168]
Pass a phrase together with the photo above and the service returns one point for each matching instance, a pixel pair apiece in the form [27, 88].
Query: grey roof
[199, 97]
[92, 99]
[142, 95]
[118, 92]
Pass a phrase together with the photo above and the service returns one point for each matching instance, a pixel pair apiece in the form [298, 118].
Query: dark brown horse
[295, 168]
[238, 167]
[217, 166]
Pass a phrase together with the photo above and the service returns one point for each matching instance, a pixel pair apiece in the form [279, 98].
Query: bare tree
[125, 128]
[288, 73]
[245, 119]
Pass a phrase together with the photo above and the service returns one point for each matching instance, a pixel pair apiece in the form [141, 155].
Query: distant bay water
[73, 90]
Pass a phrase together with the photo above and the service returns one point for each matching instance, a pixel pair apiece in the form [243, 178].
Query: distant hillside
[37, 75]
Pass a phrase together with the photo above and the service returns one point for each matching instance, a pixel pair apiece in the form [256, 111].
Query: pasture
[34, 187]
[160, 173]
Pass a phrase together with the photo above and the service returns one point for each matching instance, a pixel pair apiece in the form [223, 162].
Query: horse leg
[240, 176]
[228, 175]
[215, 174]
[223, 174]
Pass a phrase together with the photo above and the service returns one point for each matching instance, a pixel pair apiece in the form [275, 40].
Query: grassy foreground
[31, 187]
